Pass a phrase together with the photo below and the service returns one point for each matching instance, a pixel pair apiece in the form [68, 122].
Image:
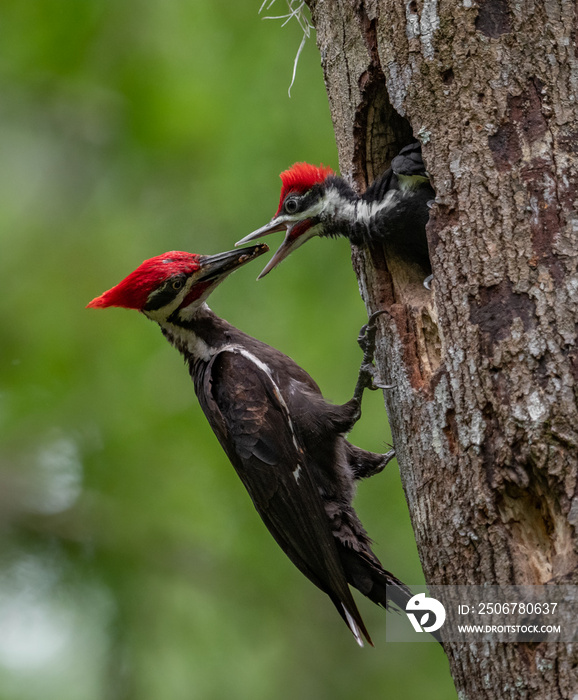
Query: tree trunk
[484, 412]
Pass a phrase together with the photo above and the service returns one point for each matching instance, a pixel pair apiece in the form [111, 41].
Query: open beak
[277, 223]
[288, 246]
[214, 267]
[294, 237]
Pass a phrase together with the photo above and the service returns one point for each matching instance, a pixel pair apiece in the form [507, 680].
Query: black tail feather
[364, 571]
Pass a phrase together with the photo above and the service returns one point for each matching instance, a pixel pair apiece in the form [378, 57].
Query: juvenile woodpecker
[285, 441]
[316, 202]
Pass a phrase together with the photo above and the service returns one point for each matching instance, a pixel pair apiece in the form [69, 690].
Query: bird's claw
[366, 337]
[427, 282]
[370, 467]
[387, 457]
[366, 378]
[377, 386]
[367, 372]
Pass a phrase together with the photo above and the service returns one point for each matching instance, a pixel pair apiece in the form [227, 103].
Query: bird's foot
[368, 378]
[366, 337]
[370, 463]
[387, 457]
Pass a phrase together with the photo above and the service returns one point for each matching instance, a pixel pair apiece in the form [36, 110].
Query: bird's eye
[177, 284]
[291, 205]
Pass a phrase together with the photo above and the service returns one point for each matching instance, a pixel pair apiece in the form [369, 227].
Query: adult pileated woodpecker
[316, 202]
[285, 441]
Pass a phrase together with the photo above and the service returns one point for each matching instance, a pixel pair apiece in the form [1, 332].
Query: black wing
[401, 223]
[380, 187]
[409, 162]
[250, 418]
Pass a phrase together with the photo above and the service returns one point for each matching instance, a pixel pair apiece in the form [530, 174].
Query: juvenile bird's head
[304, 199]
[174, 283]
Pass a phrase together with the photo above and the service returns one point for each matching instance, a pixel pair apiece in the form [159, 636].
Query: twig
[297, 11]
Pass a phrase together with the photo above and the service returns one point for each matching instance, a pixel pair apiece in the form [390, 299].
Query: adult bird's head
[304, 199]
[174, 284]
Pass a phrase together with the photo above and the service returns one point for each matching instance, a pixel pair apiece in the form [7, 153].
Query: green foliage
[132, 564]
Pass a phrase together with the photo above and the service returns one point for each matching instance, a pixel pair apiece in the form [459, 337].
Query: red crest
[134, 290]
[300, 178]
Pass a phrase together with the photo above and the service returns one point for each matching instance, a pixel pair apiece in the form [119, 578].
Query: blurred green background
[132, 563]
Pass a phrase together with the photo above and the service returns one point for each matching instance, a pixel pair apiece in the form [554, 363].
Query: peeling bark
[484, 414]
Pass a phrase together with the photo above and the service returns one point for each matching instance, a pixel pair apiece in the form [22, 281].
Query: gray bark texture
[484, 411]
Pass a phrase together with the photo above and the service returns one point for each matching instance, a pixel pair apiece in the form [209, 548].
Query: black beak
[216, 266]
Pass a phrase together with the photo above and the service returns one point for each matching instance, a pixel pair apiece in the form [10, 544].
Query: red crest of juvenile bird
[301, 177]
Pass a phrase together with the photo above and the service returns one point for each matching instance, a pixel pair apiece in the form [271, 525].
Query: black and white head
[304, 203]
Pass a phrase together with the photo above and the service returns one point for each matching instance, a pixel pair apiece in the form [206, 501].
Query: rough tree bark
[484, 414]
